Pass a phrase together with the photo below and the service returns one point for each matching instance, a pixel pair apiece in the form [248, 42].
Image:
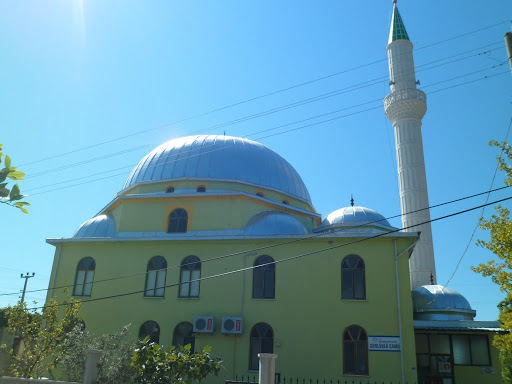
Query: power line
[295, 257]
[481, 213]
[259, 97]
[274, 245]
[279, 133]
[281, 108]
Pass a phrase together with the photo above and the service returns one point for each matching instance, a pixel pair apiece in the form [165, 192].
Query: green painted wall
[219, 185]
[467, 374]
[206, 213]
[308, 316]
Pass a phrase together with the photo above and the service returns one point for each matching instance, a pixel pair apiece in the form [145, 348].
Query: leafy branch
[13, 195]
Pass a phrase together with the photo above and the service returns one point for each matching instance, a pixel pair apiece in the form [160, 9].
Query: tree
[155, 364]
[3, 317]
[114, 365]
[13, 195]
[40, 336]
[499, 227]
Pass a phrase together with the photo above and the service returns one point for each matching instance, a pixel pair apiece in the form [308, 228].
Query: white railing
[405, 94]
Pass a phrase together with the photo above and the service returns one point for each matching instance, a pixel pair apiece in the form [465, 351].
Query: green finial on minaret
[397, 31]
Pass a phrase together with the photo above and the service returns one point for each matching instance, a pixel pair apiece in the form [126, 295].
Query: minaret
[405, 107]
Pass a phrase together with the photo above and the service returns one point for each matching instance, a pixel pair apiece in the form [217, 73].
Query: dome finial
[351, 200]
[394, 1]
[431, 279]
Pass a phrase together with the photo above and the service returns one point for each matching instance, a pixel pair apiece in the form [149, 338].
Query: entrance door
[441, 368]
[435, 369]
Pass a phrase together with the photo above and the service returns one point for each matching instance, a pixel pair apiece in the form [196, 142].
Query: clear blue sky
[79, 73]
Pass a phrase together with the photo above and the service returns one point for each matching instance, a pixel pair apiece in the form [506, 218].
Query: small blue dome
[355, 219]
[99, 226]
[274, 223]
[435, 302]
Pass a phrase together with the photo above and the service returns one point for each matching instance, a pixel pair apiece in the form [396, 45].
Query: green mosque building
[214, 240]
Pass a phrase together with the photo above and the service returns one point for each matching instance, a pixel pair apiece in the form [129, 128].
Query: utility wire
[281, 108]
[481, 213]
[295, 257]
[258, 97]
[270, 129]
[274, 245]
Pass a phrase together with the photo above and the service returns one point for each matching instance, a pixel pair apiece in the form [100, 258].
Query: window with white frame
[355, 351]
[178, 221]
[84, 277]
[189, 274]
[150, 329]
[183, 335]
[262, 341]
[353, 284]
[264, 278]
[155, 277]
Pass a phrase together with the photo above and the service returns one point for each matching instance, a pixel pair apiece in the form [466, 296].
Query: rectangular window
[79, 285]
[479, 350]
[359, 284]
[440, 344]
[160, 283]
[461, 354]
[350, 364]
[185, 283]
[194, 285]
[348, 284]
[89, 277]
[83, 285]
[361, 358]
[470, 350]
[150, 283]
[421, 343]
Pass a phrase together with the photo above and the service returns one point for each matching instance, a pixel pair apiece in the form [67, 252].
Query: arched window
[264, 278]
[260, 194]
[155, 277]
[151, 329]
[84, 277]
[201, 188]
[170, 190]
[262, 341]
[183, 335]
[355, 351]
[178, 220]
[190, 271]
[353, 285]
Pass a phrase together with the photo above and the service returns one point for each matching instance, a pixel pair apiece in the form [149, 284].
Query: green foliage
[499, 227]
[506, 367]
[13, 195]
[3, 317]
[155, 364]
[40, 336]
[114, 366]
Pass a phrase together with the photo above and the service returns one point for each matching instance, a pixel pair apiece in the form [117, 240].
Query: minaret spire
[405, 107]
[397, 31]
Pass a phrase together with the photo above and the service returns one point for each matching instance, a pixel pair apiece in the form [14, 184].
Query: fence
[17, 380]
[90, 375]
[281, 379]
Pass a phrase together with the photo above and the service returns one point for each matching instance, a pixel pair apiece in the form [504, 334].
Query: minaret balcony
[405, 102]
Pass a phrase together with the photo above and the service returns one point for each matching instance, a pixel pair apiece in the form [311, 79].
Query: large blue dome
[222, 158]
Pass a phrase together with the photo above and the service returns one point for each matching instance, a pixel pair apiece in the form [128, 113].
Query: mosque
[214, 240]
